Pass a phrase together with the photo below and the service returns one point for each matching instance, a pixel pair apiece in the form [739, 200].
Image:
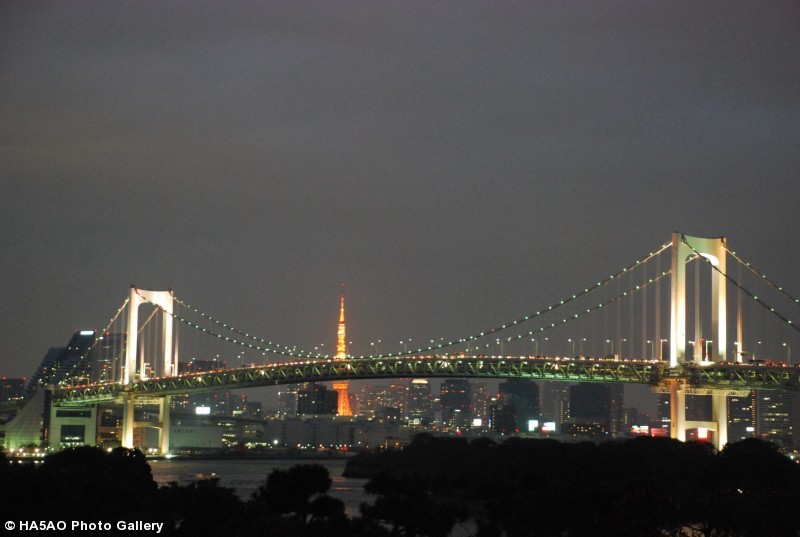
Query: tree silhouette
[407, 504]
[294, 502]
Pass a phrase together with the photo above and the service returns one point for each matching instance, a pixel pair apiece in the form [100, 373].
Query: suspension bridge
[622, 336]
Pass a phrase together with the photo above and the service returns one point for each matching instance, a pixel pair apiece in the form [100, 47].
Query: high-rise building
[418, 402]
[107, 357]
[454, 399]
[376, 399]
[774, 417]
[502, 417]
[342, 387]
[662, 409]
[698, 408]
[481, 400]
[523, 396]
[287, 402]
[741, 416]
[316, 400]
[62, 366]
[11, 389]
[555, 403]
[596, 409]
[616, 410]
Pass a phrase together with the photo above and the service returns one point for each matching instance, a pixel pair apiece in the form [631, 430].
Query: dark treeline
[639, 487]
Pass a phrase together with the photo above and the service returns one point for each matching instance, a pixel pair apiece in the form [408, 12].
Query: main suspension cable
[763, 276]
[746, 291]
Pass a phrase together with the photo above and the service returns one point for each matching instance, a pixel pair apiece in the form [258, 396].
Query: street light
[737, 355]
[652, 351]
[570, 340]
[709, 342]
[622, 340]
[661, 349]
[543, 342]
[788, 354]
[612, 346]
[535, 346]
[580, 346]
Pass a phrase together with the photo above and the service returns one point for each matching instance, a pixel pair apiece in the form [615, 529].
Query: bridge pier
[129, 423]
[163, 437]
[677, 411]
[719, 414]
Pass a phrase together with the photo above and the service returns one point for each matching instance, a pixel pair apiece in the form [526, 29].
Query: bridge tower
[713, 249]
[164, 300]
[342, 386]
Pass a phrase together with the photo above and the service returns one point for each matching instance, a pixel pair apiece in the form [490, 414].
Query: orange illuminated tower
[342, 386]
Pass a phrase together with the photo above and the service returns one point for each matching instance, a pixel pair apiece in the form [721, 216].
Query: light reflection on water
[245, 476]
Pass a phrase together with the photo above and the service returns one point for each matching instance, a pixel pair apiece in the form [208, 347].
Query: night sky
[455, 164]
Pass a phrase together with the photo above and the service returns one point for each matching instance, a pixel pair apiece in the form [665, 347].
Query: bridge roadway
[720, 378]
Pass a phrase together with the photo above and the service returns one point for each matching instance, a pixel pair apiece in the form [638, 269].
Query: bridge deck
[654, 373]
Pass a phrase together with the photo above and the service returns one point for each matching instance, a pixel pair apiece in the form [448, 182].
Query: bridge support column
[719, 414]
[127, 422]
[677, 410]
[163, 437]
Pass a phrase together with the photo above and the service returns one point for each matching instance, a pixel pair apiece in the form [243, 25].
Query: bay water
[244, 476]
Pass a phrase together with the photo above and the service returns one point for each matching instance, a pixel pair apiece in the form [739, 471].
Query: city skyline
[456, 167]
